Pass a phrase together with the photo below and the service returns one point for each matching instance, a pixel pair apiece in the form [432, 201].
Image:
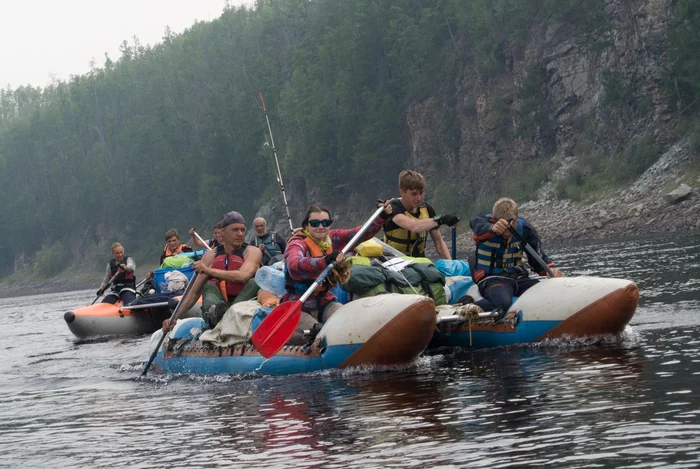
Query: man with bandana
[225, 274]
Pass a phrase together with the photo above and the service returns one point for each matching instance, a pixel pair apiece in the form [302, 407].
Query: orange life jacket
[316, 251]
[167, 252]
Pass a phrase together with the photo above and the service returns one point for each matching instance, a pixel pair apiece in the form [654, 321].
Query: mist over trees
[173, 135]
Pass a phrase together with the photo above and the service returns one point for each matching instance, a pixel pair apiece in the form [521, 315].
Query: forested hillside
[174, 135]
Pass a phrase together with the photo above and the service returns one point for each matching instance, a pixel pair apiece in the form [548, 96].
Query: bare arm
[440, 245]
[413, 225]
[251, 262]
[108, 276]
[196, 240]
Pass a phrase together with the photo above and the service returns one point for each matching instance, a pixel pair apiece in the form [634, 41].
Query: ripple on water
[627, 401]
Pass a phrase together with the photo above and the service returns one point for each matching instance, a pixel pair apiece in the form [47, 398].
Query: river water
[618, 402]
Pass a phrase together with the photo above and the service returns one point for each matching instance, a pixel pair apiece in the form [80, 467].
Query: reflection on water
[616, 402]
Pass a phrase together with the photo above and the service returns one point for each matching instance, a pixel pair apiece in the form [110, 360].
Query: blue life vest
[269, 247]
[499, 256]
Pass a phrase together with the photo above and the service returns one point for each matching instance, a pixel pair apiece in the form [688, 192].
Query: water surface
[618, 402]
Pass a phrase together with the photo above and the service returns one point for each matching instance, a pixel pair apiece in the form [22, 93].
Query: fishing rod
[280, 184]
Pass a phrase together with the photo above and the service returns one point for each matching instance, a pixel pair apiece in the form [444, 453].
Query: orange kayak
[104, 319]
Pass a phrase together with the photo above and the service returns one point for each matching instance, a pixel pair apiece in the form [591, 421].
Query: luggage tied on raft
[418, 275]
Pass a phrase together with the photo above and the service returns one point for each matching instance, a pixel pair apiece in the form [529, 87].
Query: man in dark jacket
[499, 269]
[270, 243]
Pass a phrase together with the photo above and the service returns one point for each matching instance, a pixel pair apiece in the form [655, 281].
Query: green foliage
[51, 260]
[172, 135]
[695, 137]
[446, 199]
[684, 35]
[526, 184]
[585, 20]
[501, 119]
[533, 116]
[637, 158]
[577, 185]
[617, 93]
[595, 173]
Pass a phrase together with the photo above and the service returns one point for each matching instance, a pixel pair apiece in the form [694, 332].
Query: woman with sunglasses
[308, 253]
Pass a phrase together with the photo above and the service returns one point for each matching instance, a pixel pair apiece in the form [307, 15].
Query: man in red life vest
[225, 274]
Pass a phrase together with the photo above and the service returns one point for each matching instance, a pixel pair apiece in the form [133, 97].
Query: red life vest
[232, 261]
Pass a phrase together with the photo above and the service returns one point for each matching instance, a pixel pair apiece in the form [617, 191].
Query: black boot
[215, 313]
[500, 314]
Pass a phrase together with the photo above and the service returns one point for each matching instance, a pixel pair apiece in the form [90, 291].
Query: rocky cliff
[570, 100]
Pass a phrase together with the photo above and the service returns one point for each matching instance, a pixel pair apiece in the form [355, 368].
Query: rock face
[578, 78]
[678, 195]
[562, 96]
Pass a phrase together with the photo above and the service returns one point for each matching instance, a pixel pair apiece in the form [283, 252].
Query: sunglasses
[316, 223]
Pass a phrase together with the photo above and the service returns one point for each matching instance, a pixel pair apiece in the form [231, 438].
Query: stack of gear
[419, 276]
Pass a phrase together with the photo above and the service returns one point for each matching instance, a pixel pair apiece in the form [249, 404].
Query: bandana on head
[232, 217]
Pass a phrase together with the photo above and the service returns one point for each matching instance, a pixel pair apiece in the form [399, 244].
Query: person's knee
[499, 294]
[172, 303]
[297, 338]
[330, 309]
[501, 302]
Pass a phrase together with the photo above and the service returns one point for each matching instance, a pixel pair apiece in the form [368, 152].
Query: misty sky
[44, 38]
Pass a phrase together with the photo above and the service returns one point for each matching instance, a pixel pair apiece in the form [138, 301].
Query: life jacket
[167, 252]
[496, 255]
[299, 287]
[269, 248]
[213, 243]
[125, 279]
[409, 243]
[233, 261]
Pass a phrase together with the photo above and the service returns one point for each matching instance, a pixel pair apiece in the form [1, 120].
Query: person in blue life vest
[499, 269]
[269, 242]
[412, 219]
[208, 243]
[124, 284]
[225, 274]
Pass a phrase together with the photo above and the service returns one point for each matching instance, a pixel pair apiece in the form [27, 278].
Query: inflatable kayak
[104, 319]
[389, 329]
[572, 307]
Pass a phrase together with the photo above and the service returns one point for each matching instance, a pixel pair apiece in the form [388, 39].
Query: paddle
[108, 284]
[280, 324]
[201, 240]
[529, 249]
[460, 318]
[174, 316]
[172, 320]
[454, 242]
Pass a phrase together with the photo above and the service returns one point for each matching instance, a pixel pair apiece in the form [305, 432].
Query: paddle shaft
[138, 285]
[277, 164]
[347, 247]
[454, 242]
[202, 241]
[108, 284]
[172, 320]
[530, 251]
[460, 318]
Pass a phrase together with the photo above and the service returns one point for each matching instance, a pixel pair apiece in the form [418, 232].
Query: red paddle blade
[277, 328]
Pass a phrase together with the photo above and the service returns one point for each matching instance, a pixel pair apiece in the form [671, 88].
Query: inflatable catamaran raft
[574, 307]
[391, 329]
